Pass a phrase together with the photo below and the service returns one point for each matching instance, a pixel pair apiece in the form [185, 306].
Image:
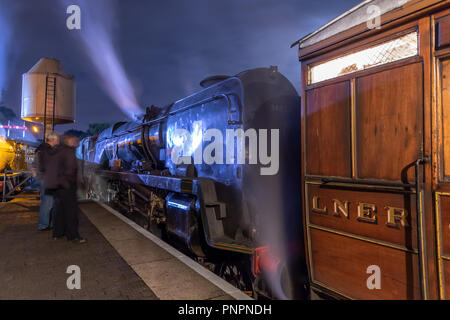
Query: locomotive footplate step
[34, 266]
[168, 273]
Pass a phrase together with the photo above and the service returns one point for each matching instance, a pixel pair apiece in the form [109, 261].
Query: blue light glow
[5, 39]
[177, 205]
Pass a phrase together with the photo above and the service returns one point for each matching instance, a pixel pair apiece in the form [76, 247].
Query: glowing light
[189, 140]
[398, 49]
[177, 205]
[5, 40]
[97, 37]
[178, 141]
[13, 127]
[35, 129]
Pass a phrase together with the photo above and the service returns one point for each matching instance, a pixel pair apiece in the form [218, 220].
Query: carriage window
[394, 50]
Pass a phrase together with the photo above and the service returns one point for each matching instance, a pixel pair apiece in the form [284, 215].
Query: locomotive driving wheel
[238, 274]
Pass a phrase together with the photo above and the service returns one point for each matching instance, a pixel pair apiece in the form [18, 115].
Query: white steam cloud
[97, 29]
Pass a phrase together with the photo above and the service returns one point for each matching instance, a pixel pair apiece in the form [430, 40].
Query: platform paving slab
[167, 276]
[33, 265]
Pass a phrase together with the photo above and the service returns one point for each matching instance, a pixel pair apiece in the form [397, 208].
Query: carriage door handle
[417, 164]
[421, 226]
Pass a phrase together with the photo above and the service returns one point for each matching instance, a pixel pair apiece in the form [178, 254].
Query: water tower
[48, 95]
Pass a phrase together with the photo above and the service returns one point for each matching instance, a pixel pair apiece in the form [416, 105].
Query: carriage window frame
[443, 177]
[338, 63]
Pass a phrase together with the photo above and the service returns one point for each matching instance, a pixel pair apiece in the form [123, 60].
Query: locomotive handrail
[369, 183]
[216, 97]
[171, 113]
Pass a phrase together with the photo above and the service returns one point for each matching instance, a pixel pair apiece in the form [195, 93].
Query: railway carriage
[376, 152]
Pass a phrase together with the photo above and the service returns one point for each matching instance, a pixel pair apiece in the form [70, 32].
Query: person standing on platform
[47, 202]
[66, 222]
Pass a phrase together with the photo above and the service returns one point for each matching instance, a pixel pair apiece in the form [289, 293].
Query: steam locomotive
[240, 216]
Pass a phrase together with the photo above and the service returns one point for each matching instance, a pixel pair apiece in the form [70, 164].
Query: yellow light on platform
[35, 129]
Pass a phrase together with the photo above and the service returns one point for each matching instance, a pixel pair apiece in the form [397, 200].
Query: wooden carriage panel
[445, 224]
[389, 110]
[341, 263]
[446, 278]
[379, 216]
[443, 233]
[328, 134]
[443, 32]
[445, 87]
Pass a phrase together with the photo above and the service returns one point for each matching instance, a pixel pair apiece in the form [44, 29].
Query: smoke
[5, 41]
[98, 19]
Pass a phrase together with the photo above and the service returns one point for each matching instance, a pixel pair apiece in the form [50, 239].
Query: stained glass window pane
[398, 49]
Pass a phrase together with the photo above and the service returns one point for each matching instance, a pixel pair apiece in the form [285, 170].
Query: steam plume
[5, 40]
[96, 35]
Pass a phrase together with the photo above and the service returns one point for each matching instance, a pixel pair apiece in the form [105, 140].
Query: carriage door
[364, 181]
[390, 151]
[442, 195]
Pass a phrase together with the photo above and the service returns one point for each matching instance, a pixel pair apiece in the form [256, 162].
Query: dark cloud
[167, 47]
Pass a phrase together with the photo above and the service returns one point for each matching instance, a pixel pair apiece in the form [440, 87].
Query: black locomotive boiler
[216, 173]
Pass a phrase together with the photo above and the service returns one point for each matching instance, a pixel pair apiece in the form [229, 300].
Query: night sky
[166, 47]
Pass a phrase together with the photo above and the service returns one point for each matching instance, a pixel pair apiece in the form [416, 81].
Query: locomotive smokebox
[48, 94]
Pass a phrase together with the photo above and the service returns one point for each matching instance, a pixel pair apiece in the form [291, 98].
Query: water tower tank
[48, 92]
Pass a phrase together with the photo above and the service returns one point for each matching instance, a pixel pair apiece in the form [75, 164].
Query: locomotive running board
[212, 210]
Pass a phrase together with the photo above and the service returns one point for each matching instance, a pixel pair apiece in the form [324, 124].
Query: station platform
[120, 261]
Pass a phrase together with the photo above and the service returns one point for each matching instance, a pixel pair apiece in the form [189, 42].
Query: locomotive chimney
[48, 95]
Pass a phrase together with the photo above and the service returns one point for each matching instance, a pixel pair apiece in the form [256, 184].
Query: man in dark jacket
[66, 220]
[47, 201]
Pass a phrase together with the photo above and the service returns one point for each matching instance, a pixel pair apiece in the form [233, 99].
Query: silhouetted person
[66, 219]
[47, 186]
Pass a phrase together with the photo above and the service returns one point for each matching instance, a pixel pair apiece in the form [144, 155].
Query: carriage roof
[360, 14]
